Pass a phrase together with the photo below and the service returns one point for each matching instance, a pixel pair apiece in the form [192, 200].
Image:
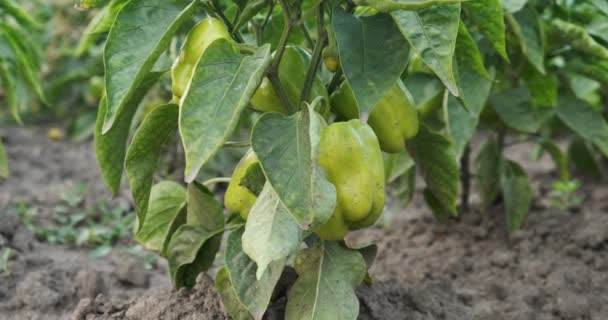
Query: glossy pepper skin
[394, 118]
[292, 74]
[239, 199]
[197, 41]
[351, 156]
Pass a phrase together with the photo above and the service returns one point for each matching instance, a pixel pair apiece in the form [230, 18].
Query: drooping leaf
[432, 33]
[111, 147]
[192, 250]
[583, 156]
[440, 212]
[10, 82]
[527, 26]
[435, 156]
[203, 209]
[517, 194]
[3, 162]
[325, 289]
[11, 7]
[559, 157]
[288, 150]
[271, 233]
[222, 84]
[166, 212]
[396, 165]
[487, 170]
[584, 121]
[141, 31]
[488, 16]
[145, 151]
[231, 301]
[514, 107]
[373, 54]
[253, 293]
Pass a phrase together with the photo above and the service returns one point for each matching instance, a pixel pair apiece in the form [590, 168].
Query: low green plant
[5, 267]
[564, 195]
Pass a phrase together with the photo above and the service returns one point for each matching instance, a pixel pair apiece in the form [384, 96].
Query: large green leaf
[585, 121]
[435, 156]
[517, 194]
[253, 293]
[432, 33]
[222, 85]
[111, 147]
[543, 87]
[515, 109]
[271, 233]
[325, 289]
[488, 16]
[192, 250]
[288, 150]
[527, 26]
[142, 30]
[145, 151]
[230, 299]
[487, 172]
[373, 54]
[3, 162]
[166, 212]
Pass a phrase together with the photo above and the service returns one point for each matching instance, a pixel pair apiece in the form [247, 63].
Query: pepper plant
[347, 95]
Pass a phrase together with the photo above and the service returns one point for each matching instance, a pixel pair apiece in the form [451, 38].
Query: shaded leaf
[488, 16]
[325, 289]
[434, 155]
[271, 233]
[517, 194]
[543, 87]
[231, 301]
[585, 121]
[288, 150]
[222, 84]
[203, 209]
[373, 54]
[394, 5]
[142, 30]
[439, 211]
[487, 169]
[582, 155]
[558, 156]
[254, 294]
[528, 29]
[514, 107]
[145, 151]
[432, 33]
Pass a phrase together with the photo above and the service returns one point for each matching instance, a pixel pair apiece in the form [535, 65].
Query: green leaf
[249, 11]
[373, 54]
[467, 54]
[514, 107]
[222, 84]
[396, 165]
[166, 212]
[543, 87]
[145, 151]
[254, 294]
[512, 6]
[582, 155]
[440, 213]
[203, 209]
[434, 155]
[3, 162]
[271, 233]
[254, 179]
[394, 5]
[142, 30]
[559, 158]
[325, 289]
[567, 33]
[100, 24]
[8, 77]
[527, 27]
[18, 13]
[517, 194]
[111, 147]
[487, 169]
[230, 300]
[489, 18]
[192, 250]
[584, 121]
[601, 4]
[288, 150]
[432, 33]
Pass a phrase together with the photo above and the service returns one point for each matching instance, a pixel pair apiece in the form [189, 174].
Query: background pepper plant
[346, 96]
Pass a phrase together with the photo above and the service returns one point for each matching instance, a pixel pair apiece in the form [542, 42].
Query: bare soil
[556, 268]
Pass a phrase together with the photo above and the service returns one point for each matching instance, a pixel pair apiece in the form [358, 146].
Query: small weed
[5, 267]
[150, 259]
[564, 195]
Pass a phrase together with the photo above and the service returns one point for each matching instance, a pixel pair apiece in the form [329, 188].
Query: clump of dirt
[555, 268]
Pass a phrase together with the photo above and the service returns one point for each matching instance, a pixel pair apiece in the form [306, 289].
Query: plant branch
[335, 81]
[465, 173]
[317, 54]
[218, 11]
[216, 181]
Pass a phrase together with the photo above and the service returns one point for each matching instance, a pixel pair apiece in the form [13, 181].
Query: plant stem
[218, 11]
[465, 172]
[335, 81]
[237, 144]
[307, 36]
[216, 181]
[316, 56]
